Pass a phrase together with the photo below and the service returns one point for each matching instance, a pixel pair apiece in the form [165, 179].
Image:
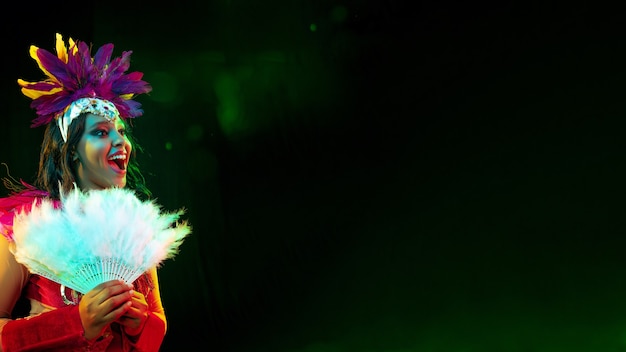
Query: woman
[86, 104]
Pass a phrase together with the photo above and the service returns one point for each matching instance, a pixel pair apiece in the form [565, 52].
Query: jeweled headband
[77, 83]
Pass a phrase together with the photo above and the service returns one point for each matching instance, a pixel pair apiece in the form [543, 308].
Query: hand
[103, 305]
[135, 318]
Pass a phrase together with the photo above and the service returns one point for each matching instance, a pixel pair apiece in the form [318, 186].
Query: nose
[117, 138]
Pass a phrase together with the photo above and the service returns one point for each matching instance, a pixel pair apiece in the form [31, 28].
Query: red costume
[52, 323]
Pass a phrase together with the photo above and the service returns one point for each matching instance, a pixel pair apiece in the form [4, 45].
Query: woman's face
[102, 154]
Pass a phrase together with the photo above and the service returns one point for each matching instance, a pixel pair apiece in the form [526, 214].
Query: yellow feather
[61, 50]
[33, 53]
[73, 46]
[33, 93]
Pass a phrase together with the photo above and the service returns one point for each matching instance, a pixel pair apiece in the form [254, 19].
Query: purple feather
[102, 57]
[84, 76]
[54, 65]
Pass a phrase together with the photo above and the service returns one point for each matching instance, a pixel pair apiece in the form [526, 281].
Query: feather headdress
[96, 236]
[73, 76]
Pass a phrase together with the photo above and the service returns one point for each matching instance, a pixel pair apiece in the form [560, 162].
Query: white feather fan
[96, 236]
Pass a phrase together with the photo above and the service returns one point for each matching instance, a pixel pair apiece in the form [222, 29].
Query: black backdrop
[369, 175]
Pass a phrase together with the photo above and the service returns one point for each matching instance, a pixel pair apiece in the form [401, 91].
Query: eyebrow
[106, 123]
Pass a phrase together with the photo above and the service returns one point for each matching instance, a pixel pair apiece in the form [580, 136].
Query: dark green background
[405, 176]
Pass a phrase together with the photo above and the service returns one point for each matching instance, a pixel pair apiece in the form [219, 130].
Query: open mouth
[119, 161]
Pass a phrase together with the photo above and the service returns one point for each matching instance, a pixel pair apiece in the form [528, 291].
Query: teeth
[121, 157]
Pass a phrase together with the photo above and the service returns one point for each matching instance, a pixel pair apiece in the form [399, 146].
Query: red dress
[54, 322]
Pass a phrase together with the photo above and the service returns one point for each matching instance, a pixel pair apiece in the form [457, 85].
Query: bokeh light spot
[194, 133]
[228, 111]
[339, 13]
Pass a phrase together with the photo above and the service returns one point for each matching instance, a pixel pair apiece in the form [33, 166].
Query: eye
[101, 132]
[122, 131]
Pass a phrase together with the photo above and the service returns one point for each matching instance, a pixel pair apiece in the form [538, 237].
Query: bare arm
[13, 278]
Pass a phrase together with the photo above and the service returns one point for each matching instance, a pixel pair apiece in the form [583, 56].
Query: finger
[117, 312]
[110, 283]
[105, 291]
[139, 303]
[114, 286]
[134, 313]
[114, 301]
